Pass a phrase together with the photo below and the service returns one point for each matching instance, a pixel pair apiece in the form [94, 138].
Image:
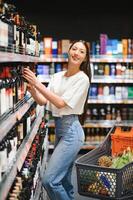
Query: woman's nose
[76, 52]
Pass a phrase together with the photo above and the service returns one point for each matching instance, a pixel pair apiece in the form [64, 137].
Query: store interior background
[79, 19]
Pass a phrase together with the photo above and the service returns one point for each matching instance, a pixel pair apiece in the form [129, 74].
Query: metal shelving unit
[13, 57]
[10, 121]
[22, 152]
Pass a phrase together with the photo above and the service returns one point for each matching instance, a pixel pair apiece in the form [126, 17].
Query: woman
[65, 96]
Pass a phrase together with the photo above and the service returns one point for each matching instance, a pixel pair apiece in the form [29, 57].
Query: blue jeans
[57, 176]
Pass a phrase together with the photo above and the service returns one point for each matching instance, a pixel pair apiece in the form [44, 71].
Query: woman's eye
[74, 48]
[80, 51]
[83, 52]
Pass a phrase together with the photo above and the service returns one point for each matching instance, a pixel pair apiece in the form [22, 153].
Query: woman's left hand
[30, 76]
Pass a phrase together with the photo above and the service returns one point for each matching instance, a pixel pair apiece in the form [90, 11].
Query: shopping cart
[103, 182]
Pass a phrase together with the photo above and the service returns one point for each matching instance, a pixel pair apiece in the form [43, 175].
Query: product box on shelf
[104, 182]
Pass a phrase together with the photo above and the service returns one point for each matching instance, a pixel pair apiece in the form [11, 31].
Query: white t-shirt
[73, 90]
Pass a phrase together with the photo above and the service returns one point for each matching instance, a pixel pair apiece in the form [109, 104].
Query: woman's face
[77, 53]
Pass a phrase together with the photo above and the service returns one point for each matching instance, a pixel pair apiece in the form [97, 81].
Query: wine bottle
[6, 17]
[3, 157]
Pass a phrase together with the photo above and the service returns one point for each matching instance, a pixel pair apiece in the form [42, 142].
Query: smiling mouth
[75, 58]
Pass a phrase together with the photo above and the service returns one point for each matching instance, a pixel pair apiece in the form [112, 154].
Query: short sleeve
[50, 85]
[76, 93]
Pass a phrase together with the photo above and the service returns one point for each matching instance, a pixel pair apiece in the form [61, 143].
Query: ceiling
[72, 6]
[64, 18]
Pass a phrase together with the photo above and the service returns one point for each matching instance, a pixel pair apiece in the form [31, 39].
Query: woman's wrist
[33, 89]
[38, 85]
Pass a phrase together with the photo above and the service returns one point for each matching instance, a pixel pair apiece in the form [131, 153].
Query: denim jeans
[57, 176]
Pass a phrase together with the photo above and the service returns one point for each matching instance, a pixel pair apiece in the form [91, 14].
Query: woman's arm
[53, 98]
[38, 97]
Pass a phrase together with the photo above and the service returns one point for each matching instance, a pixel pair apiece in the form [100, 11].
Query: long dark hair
[85, 67]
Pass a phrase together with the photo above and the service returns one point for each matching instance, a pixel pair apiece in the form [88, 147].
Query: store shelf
[38, 191]
[7, 181]
[128, 123]
[90, 145]
[42, 169]
[111, 58]
[49, 58]
[45, 156]
[22, 152]
[43, 79]
[51, 146]
[110, 101]
[87, 146]
[7, 124]
[12, 57]
[51, 124]
[25, 146]
[99, 123]
[111, 79]
[101, 79]
[94, 58]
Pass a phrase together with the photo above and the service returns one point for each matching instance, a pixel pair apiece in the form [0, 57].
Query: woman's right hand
[30, 76]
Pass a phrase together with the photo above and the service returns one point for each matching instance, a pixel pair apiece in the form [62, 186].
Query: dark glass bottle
[3, 157]
[6, 18]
